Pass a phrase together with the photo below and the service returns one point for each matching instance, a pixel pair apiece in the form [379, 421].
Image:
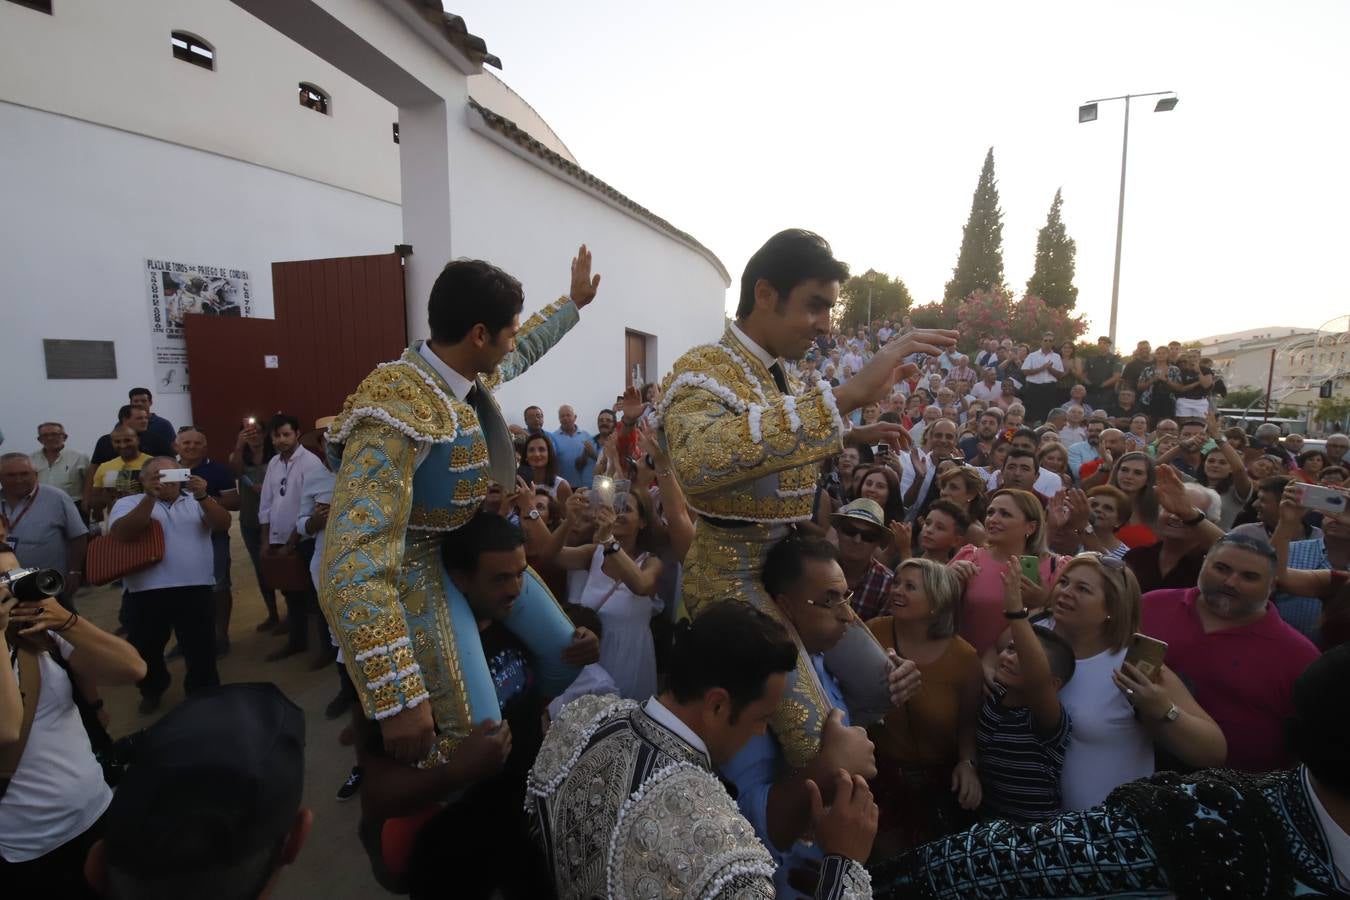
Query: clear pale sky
[868, 122]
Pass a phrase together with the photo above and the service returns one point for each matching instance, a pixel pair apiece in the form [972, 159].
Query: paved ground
[333, 865]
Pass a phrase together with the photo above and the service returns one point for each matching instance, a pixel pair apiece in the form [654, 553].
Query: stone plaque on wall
[79, 359]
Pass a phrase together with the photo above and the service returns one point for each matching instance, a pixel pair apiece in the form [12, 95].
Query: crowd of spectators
[1008, 523]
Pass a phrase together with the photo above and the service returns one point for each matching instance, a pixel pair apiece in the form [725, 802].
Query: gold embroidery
[746, 462]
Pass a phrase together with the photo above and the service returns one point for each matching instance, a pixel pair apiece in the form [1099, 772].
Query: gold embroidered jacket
[415, 462]
[740, 447]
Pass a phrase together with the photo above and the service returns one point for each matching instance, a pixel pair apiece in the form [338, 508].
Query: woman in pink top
[1015, 525]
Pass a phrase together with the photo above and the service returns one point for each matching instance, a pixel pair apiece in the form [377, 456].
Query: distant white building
[201, 132]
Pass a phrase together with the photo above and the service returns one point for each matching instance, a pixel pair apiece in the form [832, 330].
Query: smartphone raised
[1031, 567]
[1320, 497]
[602, 491]
[169, 476]
[1146, 654]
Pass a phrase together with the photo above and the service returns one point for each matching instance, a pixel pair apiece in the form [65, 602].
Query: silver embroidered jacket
[624, 808]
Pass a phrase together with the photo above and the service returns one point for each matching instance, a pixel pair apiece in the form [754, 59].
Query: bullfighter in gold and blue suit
[416, 448]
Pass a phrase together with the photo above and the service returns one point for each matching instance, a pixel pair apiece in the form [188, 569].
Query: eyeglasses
[871, 535]
[833, 600]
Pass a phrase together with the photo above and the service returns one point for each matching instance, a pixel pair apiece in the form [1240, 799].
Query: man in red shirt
[1227, 639]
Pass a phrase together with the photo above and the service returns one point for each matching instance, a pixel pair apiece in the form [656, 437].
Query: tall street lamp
[1088, 113]
[871, 281]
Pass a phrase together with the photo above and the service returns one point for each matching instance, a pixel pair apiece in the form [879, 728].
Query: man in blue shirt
[811, 594]
[570, 443]
[161, 427]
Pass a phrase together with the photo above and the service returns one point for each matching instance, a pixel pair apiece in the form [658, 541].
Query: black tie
[472, 397]
[776, 370]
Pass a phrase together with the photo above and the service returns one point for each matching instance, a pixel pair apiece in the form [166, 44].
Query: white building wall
[110, 61]
[528, 221]
[85, 206]
[112, 151]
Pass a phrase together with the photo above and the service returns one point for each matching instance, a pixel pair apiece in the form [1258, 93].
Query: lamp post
[871, 277]
[1088, 113]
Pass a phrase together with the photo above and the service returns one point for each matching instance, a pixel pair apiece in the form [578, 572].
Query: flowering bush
[996, 313]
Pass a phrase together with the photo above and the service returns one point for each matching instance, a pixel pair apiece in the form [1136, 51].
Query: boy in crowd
[1023, 729]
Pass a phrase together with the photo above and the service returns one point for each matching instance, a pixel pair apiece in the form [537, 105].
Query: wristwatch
[612, 547]
[532, 514]
[1172, 714]
[1191, 523]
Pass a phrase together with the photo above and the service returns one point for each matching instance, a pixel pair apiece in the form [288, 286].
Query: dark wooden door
[635, 359]
[336, 319]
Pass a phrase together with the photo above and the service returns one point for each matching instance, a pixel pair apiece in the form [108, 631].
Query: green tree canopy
[1052, 280]
[979, 266]
[890, 299]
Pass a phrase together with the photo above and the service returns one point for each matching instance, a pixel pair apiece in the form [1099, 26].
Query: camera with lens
[33, 585]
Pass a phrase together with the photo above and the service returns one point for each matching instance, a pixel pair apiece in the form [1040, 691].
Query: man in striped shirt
[1023, 729]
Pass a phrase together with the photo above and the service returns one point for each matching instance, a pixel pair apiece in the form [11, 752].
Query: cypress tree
[979, 267]
[1052, 279]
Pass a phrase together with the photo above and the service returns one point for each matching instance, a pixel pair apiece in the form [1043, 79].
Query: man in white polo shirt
[176, 593]
[1043, 368]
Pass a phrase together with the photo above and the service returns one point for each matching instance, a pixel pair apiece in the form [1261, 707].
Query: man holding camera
[43, 523]
[52, 792]
[174, 594]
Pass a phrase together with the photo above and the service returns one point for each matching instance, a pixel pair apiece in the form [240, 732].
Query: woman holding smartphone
[1015, 525]
[1120, 716]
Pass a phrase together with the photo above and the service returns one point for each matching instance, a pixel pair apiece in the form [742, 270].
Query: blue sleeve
[753, 772]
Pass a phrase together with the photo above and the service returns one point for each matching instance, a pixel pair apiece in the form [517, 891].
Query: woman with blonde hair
[1053, 457]
[1015, 527]
[926, 748]
[966, 486]
[1120, 714]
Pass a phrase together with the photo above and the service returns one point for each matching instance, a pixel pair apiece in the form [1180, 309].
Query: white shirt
[1035, 359]
[188, 557]
[459, 385]
[280, 511]
[1047, 483]
[58, 790]
[671, 722]
[1107, 744]
[853, 361]
[1338, 842]
[759, 352]
[987, 392]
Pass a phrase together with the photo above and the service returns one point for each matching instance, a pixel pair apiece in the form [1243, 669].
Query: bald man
[575, 449]
[220, 484]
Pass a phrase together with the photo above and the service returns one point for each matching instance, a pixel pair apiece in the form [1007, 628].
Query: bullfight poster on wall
[177, 289]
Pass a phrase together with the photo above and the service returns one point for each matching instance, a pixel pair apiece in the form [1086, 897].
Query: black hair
[584, 617]
[785, 261]
[1059, 652]
[469, 292]
[733, 646]
[783, 565]
[1019, 453]
[1259, 546]
[1275, 484]
[550, 467]
[603, 411]
[268, 451]
[125, 413]
[1025, 432]
[1317, 732]
[280, 420]
[959, 515]
[484, 533]
[137, 391]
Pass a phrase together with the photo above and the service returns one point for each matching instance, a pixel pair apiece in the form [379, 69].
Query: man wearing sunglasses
[861, 528]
